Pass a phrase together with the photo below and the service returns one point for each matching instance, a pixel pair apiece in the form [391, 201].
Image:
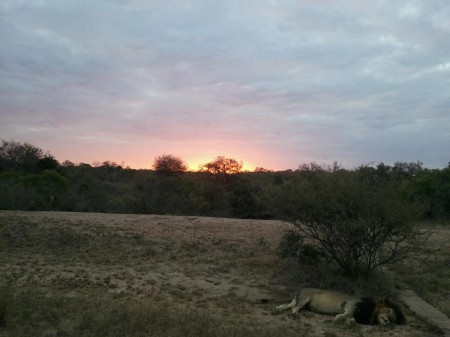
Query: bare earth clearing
[220, 266]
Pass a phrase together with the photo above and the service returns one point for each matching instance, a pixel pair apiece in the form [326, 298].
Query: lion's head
[388, 313]
[378, 311]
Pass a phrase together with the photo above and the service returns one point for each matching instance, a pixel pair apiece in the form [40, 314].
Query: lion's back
[326, 301]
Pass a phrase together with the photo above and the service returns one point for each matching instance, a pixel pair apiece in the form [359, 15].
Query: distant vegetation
[361, 218]
[31, 179]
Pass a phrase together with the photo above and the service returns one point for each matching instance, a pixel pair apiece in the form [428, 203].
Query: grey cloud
[342, 78]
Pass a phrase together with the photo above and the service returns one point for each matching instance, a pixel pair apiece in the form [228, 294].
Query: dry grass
[73, 274]
[34, 314]
[427, 270]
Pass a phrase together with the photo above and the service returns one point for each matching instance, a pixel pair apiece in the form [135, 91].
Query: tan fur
[342, 305]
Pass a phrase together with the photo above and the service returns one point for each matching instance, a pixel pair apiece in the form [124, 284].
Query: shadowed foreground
[72, 274]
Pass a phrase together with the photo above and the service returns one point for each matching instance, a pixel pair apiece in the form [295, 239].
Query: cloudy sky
[272, 83]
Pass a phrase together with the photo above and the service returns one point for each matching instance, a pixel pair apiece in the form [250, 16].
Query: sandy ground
[225, 266]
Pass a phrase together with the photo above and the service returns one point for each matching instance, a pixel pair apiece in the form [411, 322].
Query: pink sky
[272, 83]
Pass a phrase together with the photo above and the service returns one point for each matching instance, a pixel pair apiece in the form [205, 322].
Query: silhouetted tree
[17, 156]
[261, 170]
[48, 162]
[222, 165]
[68, 163]
[406, 170]
[168, 164]
[312, 167]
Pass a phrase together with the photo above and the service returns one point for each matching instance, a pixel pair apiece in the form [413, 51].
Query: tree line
[31, 179]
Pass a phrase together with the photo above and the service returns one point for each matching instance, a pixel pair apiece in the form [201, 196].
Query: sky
[271, 83]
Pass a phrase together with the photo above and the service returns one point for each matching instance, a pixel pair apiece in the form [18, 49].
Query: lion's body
[365, 310]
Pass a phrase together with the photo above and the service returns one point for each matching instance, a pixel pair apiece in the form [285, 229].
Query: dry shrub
[361, 225]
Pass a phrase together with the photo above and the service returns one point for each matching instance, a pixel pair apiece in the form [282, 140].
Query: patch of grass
[430, 279]
[34, 314]
[61, 241]
[426, 272]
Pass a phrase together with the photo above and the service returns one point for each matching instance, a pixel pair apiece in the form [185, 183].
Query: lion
[364, 310]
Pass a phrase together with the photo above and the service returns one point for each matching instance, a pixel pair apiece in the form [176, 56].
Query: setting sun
[196, 163]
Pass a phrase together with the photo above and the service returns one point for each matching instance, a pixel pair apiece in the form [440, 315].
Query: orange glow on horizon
[195, 164]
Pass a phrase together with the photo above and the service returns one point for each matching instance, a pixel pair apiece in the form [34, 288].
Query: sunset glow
[195, 164]
[273, 84]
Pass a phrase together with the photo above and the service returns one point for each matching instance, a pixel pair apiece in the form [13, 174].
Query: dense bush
[33, 180]
[360, 223]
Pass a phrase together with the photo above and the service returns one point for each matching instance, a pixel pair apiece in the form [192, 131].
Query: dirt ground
[225, 266]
